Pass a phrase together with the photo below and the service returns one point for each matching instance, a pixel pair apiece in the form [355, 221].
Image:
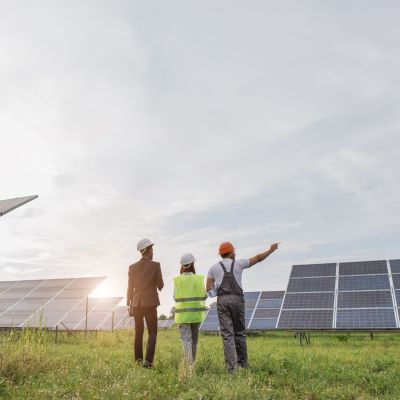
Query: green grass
[334, 366]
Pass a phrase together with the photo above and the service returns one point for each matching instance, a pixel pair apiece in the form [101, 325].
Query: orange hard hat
[225, 248]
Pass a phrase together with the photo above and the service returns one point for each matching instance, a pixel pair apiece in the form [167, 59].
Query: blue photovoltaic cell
[371, 282]
[248, 312]
[209, 326]
[365, 299]
[395, 266]
[396, 281]
[304, 271]
[267, 303]
[363, 268]
[398, 297]
[250, 303]
[212, 313]
[312, 285]
[309, 300]
[275, 294]
[306, 319]
[366, 319]
[265, 323]
[251, 295]
[266, 313]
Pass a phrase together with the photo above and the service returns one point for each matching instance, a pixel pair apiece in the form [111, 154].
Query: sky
[194, 123]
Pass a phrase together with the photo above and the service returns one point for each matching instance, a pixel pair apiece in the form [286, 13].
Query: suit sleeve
[159, 279]
[129, 293]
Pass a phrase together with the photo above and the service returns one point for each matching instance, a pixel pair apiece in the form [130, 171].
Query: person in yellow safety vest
[189, 296]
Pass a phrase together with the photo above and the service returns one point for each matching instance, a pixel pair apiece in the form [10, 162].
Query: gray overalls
[230, 309]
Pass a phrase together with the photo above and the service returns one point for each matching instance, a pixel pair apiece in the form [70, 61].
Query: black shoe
[147, 365]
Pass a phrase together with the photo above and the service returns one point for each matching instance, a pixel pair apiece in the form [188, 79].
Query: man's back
[144, 280]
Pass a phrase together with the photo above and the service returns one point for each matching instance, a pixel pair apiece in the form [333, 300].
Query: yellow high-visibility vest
[190, 298]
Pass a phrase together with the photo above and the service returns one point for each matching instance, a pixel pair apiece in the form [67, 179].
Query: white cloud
[194, 124]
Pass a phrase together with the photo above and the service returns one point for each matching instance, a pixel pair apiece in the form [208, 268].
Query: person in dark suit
[144, 278]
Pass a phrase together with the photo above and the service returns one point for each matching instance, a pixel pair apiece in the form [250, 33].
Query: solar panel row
[261, 311]
[351, 295]
[42, 303]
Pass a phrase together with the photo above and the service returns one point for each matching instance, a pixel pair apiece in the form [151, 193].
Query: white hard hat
[142, 244]
[187, 259]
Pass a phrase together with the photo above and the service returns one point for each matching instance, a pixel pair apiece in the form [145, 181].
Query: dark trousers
[150, 315]
[230, 309]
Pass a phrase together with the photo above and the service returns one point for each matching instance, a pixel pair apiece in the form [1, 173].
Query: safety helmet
[187, 259]
[225, 248]
[143, 244]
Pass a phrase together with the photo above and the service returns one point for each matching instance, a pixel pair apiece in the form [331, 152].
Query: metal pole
[56, 333]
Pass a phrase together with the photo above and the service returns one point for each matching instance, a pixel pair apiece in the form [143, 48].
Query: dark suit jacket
[144, 278]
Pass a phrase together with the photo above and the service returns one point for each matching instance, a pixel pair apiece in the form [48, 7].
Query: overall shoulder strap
[233, 264]
[223, 266]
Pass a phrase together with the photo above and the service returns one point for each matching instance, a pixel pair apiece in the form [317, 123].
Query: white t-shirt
[217, 273]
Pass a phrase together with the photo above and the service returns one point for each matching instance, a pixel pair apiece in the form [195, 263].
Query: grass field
[334, 366]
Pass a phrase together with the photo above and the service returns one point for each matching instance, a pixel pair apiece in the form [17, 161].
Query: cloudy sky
[194, 123]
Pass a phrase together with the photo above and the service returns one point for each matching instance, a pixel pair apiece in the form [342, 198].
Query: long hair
[190, 269]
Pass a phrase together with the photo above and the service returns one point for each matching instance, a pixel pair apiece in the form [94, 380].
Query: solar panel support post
[86, 315]
[304, 336]
[336, 295]
[393, 293]
[55, 339]
[371, 335]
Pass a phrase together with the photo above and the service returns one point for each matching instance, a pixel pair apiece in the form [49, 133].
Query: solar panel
[266, 313]
[396, 281]
[363, 268]
[309, 300]
[274, 294]
[56, 283]
[12, 320]
[11, 204]
[29, 285]
[251, 295]
[250, 303]
[269, 303]
[263, 324]
[40, 302]
[305, 319]
[395, 266]
[311, 285]
[365, 319]
[166, 324]
[312, 270]
[364, 282]
[4, 285]
[397, 297]
[16, 294]
[365, 299]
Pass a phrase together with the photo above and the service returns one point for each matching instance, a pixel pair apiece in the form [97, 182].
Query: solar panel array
[349, 296]
[261, 311]
[11, 204]
[42, 303]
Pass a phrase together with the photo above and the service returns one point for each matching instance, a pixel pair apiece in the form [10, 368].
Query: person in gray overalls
[225, 280]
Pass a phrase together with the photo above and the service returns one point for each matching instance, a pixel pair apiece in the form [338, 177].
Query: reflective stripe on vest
[189, 296]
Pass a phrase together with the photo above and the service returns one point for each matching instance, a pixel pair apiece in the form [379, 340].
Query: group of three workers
[224, 280]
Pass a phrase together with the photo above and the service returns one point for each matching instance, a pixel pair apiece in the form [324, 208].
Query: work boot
[147, 364]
